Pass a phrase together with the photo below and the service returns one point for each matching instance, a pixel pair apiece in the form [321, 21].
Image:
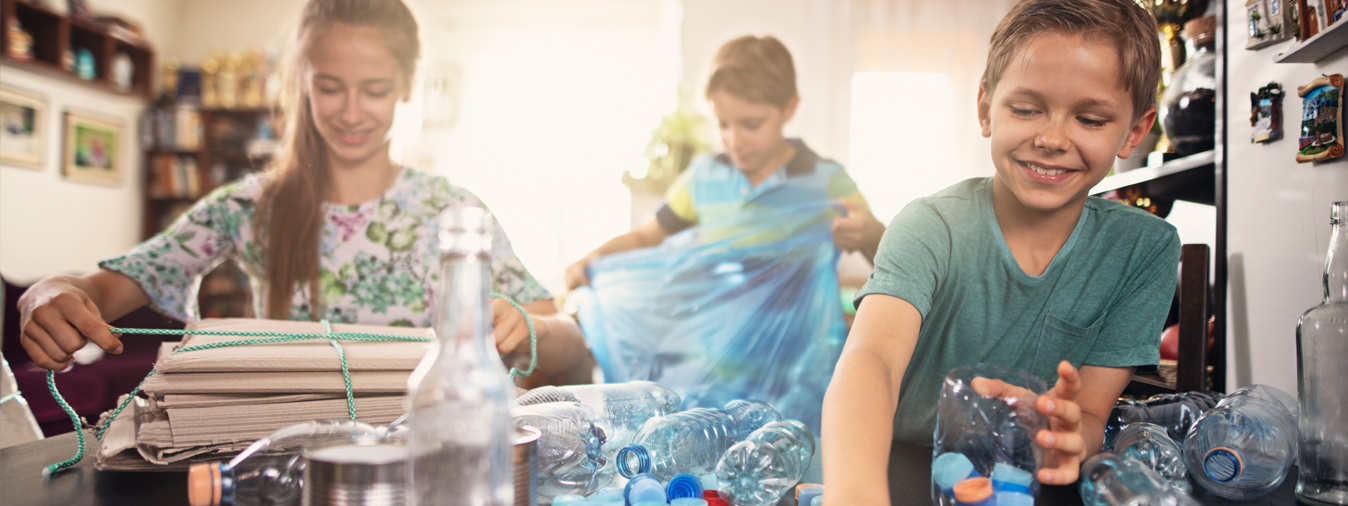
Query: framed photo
[1321, 119]
[1266, 113]
[23, 128]
[92, 149]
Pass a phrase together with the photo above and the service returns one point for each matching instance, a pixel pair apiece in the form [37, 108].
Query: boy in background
[1021, 270]
[753, 95]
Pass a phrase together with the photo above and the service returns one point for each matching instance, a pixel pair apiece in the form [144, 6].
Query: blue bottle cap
[1009, 478]
[817, 500]
[650, 503]
[808, 494]
[1014, 499]
[949, 469]
[710, 482]
[684, 485]
[609, 500]
[644, 488]
[688, 501]
[565, 499]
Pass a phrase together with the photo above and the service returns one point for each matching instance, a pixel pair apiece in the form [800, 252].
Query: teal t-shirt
[1101, 301]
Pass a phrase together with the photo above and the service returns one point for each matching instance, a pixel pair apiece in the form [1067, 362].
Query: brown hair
[757, 69]
[290, 211]
[1130, 28]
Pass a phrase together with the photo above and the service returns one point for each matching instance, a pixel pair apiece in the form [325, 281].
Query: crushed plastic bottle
[1175, 412]
[270, 471]
[1243, 448]
[621, 407]
[568, 452]
[1114, 480]
[459, 422]
[760, 470]
[691, 441]
[1150, 445]
[975, 434]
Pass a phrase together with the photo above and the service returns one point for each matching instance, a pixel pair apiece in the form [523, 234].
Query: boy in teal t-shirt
[1022, 269]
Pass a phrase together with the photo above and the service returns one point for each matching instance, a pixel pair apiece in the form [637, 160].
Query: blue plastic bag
[744, 308]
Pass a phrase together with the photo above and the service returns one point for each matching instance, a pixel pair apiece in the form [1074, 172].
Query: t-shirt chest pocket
[1060, 341]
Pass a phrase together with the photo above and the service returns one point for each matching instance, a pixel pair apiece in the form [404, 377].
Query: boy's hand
[859, 230]
[575, 274]
[1064, 446]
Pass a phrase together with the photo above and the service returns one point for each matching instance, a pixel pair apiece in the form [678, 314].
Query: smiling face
[353, 84]
[1057, 117]
[751, 131]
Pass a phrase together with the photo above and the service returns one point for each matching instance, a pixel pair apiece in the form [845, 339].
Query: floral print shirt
[378, 260]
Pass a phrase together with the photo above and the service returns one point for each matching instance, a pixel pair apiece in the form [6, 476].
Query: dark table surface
[21, 482]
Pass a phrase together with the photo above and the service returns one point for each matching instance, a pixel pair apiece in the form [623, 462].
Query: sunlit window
[902, 138]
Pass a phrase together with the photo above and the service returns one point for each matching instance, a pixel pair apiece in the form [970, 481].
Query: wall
[211, 25]
[1278, 217]
[94, 222]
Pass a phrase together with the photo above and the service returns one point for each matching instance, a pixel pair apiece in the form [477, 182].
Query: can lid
[203, 484]
[973, 490]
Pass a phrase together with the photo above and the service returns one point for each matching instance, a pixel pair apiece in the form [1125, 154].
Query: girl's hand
[56, 318]
[1064, 446]
[575, 274]
[509, 329]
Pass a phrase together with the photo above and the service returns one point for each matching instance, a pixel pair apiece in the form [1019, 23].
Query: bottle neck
[1336, 261]
[463, 315]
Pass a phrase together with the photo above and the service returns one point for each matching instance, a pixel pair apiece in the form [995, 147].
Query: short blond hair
[757, 69]
[1124, 24]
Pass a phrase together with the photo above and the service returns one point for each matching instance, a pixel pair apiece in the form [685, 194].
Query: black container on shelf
[1189, 104]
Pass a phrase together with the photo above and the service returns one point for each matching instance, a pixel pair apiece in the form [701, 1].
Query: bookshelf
[190, 152]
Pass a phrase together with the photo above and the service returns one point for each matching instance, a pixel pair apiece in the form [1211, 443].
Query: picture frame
[23, 128]
[1268, 22]
[92, 149]
[1321, 128]
[1266, 113]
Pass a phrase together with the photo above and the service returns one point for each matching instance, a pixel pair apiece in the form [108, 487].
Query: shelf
[1193, 163]
[1316, 48]
[55, 36]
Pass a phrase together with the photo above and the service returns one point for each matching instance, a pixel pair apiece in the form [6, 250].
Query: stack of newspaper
[206, 404]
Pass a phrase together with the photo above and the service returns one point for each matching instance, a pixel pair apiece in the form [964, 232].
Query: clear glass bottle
[459, 424]
[1322, 351]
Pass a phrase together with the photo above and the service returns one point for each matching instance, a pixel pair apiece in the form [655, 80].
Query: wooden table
[21, 482]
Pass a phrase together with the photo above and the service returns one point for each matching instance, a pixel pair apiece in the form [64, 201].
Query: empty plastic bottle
[568, 452]
[459, 423]
[1242, 448]
[765, 466]
[1150, 445]
[622, 407]
[1175, 412]
[270, 471]
[691, 441]
[1114, 480]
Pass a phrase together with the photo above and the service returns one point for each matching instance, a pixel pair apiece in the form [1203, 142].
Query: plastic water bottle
[459, 424]
[271, 470]
[569, 457]
[621, 407]
[1175, 412]
[766, 465]
[1242, 448]
[691, 441]
[1322, 351]
[1150, 445]
[1113, 480]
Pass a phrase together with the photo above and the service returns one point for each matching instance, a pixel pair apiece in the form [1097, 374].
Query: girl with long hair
[333, 229]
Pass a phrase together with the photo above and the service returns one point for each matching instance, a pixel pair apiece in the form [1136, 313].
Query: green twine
[270, 337]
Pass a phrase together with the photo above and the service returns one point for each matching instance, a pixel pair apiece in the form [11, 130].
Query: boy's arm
[1100, 390]
[861, 399]
[650, 234]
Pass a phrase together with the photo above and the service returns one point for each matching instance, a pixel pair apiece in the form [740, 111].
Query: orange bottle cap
[203, 484]
[804, 486]
[973, 490]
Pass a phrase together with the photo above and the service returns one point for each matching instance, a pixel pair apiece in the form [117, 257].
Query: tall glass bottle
[1322, 351]
[459, 424]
